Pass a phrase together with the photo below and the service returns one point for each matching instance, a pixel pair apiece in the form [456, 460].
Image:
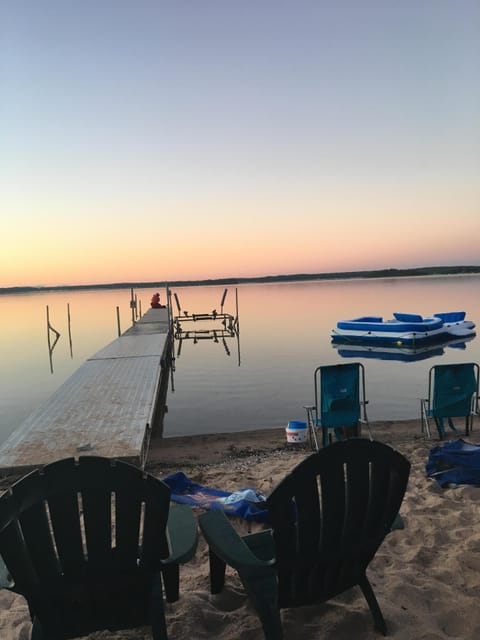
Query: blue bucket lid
[297, 424]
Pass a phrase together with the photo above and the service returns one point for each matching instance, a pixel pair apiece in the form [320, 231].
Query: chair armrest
[6, 581]
[261, 544]
[182, 534]
[225, 542]
[310, 409]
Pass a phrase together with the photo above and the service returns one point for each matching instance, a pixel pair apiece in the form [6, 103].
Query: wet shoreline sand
[215, 448]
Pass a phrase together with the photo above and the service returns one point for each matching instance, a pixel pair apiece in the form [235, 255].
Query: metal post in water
[178, 303]
[51, 346]
[69, 330]
[169, 305]
[48, 330]
[132, 305]
[237, 326]
[223, 300]
[236, 307]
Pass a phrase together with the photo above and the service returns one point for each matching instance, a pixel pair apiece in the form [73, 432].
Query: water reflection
[403, 354]
[53, 336]
[285, 334]
[51, 345]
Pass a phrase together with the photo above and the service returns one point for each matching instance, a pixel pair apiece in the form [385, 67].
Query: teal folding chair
[340, 403]
[452, 393]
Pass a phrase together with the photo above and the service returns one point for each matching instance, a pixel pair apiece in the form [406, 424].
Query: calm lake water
[263, 377]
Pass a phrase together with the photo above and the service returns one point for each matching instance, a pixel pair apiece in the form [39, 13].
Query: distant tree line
[299, 277]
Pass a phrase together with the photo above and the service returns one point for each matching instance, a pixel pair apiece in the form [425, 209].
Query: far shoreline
[299, 277]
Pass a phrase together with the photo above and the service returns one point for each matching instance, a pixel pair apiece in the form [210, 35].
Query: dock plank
[107, 407]
[133, 346]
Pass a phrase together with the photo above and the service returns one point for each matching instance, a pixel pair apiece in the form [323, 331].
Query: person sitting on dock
[155, 302]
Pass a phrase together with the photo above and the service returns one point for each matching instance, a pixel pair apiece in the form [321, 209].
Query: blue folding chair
[452, 393]
[340, 403]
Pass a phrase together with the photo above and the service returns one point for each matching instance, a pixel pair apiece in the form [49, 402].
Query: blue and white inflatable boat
[455, 323]
[405, 329]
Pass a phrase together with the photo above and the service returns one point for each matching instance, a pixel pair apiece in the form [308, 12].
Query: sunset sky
[160, 140]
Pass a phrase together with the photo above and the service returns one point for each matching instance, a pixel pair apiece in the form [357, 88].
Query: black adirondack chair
[89, 543]
[328, 517]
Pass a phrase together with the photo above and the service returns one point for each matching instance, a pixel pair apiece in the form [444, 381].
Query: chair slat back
[78, 519]
[330, 515]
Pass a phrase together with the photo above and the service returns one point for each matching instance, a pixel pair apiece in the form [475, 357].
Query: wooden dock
[108, 407]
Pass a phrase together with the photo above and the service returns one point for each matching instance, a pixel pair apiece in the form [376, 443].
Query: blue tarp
[455, 462]
[245, 503]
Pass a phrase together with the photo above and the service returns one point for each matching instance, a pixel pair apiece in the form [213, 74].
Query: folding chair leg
[312, 430]
[313, 437]
[440, 428]
[370, 436]
[425, 426]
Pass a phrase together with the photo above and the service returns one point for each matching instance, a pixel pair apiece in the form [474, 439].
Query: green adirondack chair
[91, 544]
[328, 518]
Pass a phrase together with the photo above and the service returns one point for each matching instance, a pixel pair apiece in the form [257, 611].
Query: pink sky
[149, 143]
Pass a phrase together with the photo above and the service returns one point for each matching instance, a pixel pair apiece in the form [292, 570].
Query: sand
[426, 577]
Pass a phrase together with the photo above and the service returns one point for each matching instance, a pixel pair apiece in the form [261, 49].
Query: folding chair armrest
[310, 408]
[182, 534]
[229, 546]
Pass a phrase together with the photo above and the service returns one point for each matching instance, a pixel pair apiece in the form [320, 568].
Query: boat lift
[225, 324]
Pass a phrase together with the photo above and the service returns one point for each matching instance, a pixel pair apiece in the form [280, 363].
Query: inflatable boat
[405, 329]
[455, 323]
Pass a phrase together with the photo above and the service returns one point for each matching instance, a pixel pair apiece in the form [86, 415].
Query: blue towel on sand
[247, 503]
[455, 462]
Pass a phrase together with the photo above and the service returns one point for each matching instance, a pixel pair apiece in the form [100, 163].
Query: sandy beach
[426, 577]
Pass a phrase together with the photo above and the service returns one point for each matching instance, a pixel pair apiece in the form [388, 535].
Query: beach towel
[245, 503]
[455, 462]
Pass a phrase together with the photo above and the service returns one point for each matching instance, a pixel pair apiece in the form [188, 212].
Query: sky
[162, 140]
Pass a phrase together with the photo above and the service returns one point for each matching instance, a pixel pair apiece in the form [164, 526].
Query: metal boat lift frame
[229, 324]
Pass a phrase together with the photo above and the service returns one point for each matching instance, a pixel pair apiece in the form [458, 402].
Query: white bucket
[296, 431]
